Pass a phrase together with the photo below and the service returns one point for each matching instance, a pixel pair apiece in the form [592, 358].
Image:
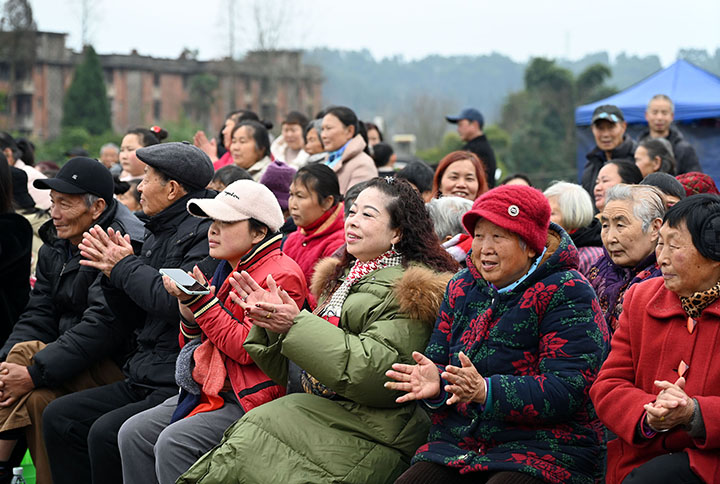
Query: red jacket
[651, 340]
[307, 250]
[225, 325]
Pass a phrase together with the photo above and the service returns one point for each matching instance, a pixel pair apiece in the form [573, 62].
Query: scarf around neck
[331, 311]
[334, 157]
[695, 304]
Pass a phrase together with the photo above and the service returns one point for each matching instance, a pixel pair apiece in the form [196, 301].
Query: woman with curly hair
[376, 306]
[519, 340]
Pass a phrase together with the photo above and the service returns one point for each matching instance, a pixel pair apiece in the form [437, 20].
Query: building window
[23, 104]
[4, 71]
[156, 79]
[157, 111]
[22, 74]
[248, 87]
[108, 73]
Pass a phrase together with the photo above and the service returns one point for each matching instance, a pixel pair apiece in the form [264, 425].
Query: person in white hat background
[219, 382]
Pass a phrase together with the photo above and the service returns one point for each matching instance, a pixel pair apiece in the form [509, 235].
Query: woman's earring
[392, 246]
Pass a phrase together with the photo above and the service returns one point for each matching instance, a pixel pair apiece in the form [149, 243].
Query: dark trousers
[81, 430]
[431, 473]
[673, 468]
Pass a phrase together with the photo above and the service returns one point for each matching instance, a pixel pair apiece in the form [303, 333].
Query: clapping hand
[421, 381]
[466, 384]
[208, 146]
[272, 309]
[102, 250]
[671, 408]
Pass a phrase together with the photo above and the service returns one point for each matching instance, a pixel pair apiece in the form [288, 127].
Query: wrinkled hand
[15, 382]
[419, 381]
[671, 408]
[102, 250]
[271, 309]
[208, 146]
[175, 291]
[466, 384]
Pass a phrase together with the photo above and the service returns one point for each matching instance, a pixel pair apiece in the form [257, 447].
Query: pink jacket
[355, 165]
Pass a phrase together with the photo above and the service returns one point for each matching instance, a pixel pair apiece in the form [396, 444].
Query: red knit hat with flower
[519, 209]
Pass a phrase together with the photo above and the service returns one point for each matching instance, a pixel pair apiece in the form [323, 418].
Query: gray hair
[90, 199]
[648, 202]
[575, 204]
[113, 146]
[664, 98]
[446, 214]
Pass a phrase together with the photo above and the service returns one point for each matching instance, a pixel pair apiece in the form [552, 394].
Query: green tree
[450, 142]
[541, 118]
[86, 104]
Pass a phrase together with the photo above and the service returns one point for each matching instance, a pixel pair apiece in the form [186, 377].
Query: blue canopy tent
[696, 95]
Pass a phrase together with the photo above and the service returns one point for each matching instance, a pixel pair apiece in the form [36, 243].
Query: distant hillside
[389, 86]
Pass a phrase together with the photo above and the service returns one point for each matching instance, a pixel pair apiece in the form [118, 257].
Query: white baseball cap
[241, 200]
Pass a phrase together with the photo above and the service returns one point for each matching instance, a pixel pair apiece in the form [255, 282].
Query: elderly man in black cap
[608, 128]
[470, 123]
[81, 429]
[65, 340]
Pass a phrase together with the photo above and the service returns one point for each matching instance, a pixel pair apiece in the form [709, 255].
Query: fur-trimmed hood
[419, 291]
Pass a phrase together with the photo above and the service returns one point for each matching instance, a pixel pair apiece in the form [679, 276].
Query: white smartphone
[185, 282]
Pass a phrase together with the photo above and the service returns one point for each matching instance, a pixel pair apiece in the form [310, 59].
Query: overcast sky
[413, 29]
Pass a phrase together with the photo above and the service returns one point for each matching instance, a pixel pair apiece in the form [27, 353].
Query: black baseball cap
[608, 112]
[79, 176]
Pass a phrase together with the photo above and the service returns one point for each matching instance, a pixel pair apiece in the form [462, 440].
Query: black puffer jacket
[596, 158]
[67, 309]
[136, 294]
[686, 160]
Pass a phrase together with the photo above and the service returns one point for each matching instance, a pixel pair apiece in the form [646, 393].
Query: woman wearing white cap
[219, 381]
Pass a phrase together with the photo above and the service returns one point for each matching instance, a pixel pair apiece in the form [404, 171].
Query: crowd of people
[309, 308]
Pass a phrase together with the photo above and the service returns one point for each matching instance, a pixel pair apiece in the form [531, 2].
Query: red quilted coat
[651, 340]
[225, 325]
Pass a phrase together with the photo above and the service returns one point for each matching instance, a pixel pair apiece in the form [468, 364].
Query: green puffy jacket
[364, 437]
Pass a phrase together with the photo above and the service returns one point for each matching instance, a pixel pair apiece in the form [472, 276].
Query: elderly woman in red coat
[659, 389]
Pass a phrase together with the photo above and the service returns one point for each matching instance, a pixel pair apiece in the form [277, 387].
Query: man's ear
[97, 208]
[175, 191]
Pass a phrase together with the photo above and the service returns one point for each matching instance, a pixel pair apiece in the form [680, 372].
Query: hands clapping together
[671, 408]
[423, 380]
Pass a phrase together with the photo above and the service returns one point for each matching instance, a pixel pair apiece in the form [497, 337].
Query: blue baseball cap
[470, 114]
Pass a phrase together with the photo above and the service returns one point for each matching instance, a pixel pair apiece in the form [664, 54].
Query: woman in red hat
[519, 340]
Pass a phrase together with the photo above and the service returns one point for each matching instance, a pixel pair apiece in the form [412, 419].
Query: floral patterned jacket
[541, 345]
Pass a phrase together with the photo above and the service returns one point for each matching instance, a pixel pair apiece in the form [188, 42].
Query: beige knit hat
[241, 200]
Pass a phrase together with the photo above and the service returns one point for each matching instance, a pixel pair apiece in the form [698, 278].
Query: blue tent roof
[695, 92]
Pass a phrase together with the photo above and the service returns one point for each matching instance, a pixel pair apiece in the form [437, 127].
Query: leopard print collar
[695, 304]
